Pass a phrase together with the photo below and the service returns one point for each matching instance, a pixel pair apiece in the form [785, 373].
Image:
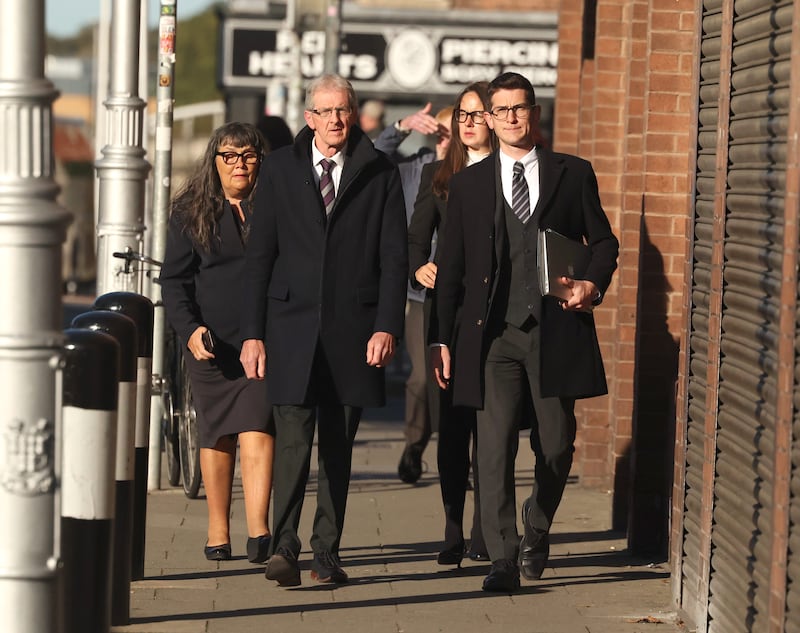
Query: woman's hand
[426, 275]
[195, 344]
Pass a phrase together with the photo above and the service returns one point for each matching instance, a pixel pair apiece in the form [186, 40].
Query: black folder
[559, 256]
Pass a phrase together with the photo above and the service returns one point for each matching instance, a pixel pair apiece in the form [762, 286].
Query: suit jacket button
[480, 322]
[486, 280]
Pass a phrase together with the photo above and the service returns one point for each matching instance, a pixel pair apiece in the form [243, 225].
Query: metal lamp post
[32, 231]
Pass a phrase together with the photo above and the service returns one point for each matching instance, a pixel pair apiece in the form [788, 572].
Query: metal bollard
[88, 440]
[123, 329]
[140, 309]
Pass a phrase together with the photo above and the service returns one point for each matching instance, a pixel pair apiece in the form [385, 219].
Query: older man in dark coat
[324, 301]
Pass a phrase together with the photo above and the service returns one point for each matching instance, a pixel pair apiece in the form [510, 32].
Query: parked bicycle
[179, 437]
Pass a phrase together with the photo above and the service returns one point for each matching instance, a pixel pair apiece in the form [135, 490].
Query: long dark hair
[200, 202]
[456, 157]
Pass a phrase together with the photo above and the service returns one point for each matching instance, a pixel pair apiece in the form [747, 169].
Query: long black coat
[204, 287]
[470, 245]
[334, 280]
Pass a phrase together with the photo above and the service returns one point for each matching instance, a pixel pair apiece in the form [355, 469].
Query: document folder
[559, 256]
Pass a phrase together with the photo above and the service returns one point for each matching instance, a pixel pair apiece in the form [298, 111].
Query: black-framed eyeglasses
[476, 116]
[325, 113]
[231, 158]
[521, 111]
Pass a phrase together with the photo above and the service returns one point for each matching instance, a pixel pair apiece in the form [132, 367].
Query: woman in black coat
[471, 142]
[201, 283]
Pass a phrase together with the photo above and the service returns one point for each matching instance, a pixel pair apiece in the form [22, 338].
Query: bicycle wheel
[170, 417]
[169, 438]
[189, 443]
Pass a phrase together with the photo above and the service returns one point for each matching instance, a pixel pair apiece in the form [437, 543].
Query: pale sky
[64, 18]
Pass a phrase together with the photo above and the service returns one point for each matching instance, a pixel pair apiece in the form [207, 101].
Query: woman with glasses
[471, 142]
[201, 287]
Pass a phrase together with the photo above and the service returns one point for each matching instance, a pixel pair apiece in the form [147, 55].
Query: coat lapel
[550, 171]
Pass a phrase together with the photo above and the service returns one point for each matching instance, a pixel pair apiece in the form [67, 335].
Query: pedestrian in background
[370, 118]
[201, 282]
[325, 291]
[472, 141]
[419, 422]
[513, 344]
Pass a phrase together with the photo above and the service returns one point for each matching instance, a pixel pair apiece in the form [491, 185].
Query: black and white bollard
[88, 455]
[140, 309]
[123, 329]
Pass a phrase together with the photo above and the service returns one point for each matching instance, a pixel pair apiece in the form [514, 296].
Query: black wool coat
[470, 245]
[332, 281]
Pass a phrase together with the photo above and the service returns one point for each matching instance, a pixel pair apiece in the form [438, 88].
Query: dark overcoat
[470, 248]
[332, 280]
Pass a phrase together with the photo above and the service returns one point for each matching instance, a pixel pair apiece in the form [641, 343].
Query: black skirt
[226, 401]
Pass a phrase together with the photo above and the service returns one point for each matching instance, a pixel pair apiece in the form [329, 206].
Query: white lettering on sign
[358, 66]
[503, 52]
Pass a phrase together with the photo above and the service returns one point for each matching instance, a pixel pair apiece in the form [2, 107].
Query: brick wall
[629, 111]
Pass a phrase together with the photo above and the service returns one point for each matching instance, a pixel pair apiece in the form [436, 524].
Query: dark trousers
[456, 429]
[512, 376]
[336, 430]
[418, 416]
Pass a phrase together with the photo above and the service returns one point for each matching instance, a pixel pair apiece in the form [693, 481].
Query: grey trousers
[512, 380]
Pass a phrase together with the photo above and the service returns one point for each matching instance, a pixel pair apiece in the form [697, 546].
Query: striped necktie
[520, 199]
[326, 184]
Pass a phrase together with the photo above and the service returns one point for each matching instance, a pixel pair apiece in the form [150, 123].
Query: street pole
[162, 186]
[32, 231]
[333, 21]
[122, 171]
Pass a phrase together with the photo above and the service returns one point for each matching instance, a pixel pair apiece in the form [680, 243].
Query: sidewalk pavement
[391, 537]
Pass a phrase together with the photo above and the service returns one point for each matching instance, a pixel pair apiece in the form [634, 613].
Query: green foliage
[196, 50]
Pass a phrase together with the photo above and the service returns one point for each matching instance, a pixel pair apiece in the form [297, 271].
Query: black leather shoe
[258, 548]
[282, 567]
[218, 552]
[410, 467]
[534, 549]
[503, 577]
[451, 555]
[325, 568]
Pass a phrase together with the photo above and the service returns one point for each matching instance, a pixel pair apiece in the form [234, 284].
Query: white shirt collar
[317, 156]
[529, 160]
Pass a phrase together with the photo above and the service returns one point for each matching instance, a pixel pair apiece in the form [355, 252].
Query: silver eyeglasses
[231, 158]
[325, 113]
[521, 111]
[476, 116]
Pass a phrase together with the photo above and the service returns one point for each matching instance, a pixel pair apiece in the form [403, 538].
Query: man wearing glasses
[325, 289]
[516, 348]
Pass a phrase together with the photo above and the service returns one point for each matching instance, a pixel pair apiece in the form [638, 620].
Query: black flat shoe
[534, 548]
[451, 555]
[218, 552]
[478, 555]
[258, 548]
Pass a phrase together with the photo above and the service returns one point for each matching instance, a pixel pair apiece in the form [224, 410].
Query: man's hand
[440, 363]
[584, 293]
[426, 275]
[422, 122]
[195, 344]
[254, 358]
[380, 349]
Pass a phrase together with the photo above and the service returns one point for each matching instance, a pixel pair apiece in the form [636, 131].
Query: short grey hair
[330, 82]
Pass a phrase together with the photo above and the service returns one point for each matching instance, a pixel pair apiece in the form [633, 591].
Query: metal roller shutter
[692, 564]
[741, 533]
